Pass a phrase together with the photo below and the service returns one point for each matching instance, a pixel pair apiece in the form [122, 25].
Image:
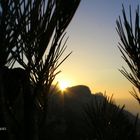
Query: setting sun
[63, 85]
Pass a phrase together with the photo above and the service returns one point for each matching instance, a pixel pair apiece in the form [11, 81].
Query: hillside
[70, 112]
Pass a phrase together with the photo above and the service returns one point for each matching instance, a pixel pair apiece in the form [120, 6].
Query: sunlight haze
[63, 84]
[96, 59]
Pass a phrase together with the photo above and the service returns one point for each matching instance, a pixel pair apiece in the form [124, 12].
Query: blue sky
[93, 39]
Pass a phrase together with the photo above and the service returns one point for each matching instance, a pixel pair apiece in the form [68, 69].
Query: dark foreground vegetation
[32, 34]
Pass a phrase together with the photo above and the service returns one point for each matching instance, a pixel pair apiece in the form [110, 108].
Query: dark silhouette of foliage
[108, 121]
[31, 34]
[130, 49]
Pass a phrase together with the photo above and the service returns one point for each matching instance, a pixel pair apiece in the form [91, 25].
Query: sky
[96, 59]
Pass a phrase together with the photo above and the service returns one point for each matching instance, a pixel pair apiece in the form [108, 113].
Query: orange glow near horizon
[116, 85]
[64, 81]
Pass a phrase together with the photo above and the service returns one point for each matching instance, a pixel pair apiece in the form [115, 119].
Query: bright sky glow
[96, 59]
[63, 84]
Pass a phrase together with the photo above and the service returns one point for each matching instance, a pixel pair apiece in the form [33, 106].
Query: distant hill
[69, 109]
[76, 98]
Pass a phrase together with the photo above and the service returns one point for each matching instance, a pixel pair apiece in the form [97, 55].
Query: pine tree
[31, 35]
[129, 47]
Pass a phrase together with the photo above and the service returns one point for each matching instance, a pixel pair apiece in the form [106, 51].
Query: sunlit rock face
[73, 97]
[75, 100]
[78, 91]
[67, 108]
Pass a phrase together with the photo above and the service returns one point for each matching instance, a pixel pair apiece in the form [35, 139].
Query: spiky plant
[129, 47]
[31, 34]
[107, 121]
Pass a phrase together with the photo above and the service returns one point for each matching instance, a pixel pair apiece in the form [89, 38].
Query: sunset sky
[96, 59]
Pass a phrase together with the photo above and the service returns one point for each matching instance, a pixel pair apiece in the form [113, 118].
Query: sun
[63, 85]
